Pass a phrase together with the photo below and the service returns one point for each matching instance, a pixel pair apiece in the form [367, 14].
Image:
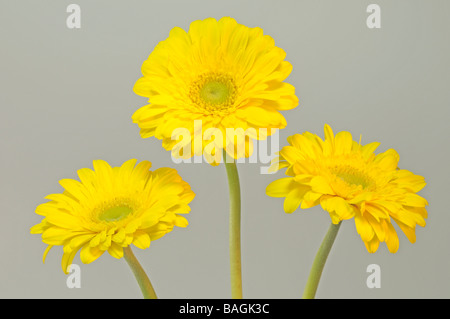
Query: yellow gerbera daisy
[111, 208]
[221, 74]
[349, 181]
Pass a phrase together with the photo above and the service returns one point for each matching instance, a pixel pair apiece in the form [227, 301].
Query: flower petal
[280, 187]
[294, 198]
[141, 240]
[88, 254]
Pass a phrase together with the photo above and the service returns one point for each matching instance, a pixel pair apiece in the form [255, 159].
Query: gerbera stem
[235, 227]
[144, 282]
[319, 262]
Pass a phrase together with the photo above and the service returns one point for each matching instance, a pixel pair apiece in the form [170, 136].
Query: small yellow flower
[221, 74]
[111, 208]
[349, 181]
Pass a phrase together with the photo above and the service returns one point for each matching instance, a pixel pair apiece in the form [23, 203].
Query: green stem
[235, 227]
[144, 282]
[319, 262]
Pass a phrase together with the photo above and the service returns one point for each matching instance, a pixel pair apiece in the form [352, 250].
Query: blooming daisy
[221, 74]
[111, 208]
[349, 181]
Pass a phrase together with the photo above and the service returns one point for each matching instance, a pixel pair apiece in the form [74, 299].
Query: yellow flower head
[111, 208]
[349, 181]
[221, 74]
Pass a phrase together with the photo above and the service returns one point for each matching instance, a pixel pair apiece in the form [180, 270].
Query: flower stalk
[144, 282]
[235, 227]
[319, 261]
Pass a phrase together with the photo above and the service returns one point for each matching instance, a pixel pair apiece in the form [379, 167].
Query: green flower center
[213, 92]
[353, 176]
[115, 213]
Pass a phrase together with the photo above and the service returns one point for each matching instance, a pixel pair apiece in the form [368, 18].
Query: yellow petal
[409, 232]
[329, 136]
[103, 172]
[407, 180]
[180, 221]
[387, 160]
[368, 149]
[291, 154]
[67, 259]
[343, 143]
[39, 228]
[75, 188]
[310, 199]
[337, 205]
[46, 252]
[141, 240]
[392, 241]
[80, 240]
[294, 198]
[64, 220]
[262, 117]
[56, 235]
[319, 184]
[89, 254]
[280, 187]
[124, 171]
[119, 237]
[363, 228]
[372, 245]
[115, 251]
[376, 226]
[87, 178]
[376, 211]
[420, 211]
[415, 200]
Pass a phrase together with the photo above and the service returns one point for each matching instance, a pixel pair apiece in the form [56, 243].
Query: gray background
[66, 99]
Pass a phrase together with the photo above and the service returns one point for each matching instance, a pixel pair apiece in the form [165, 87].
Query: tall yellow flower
[221, 74]
[349, 181]
[111, 208]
